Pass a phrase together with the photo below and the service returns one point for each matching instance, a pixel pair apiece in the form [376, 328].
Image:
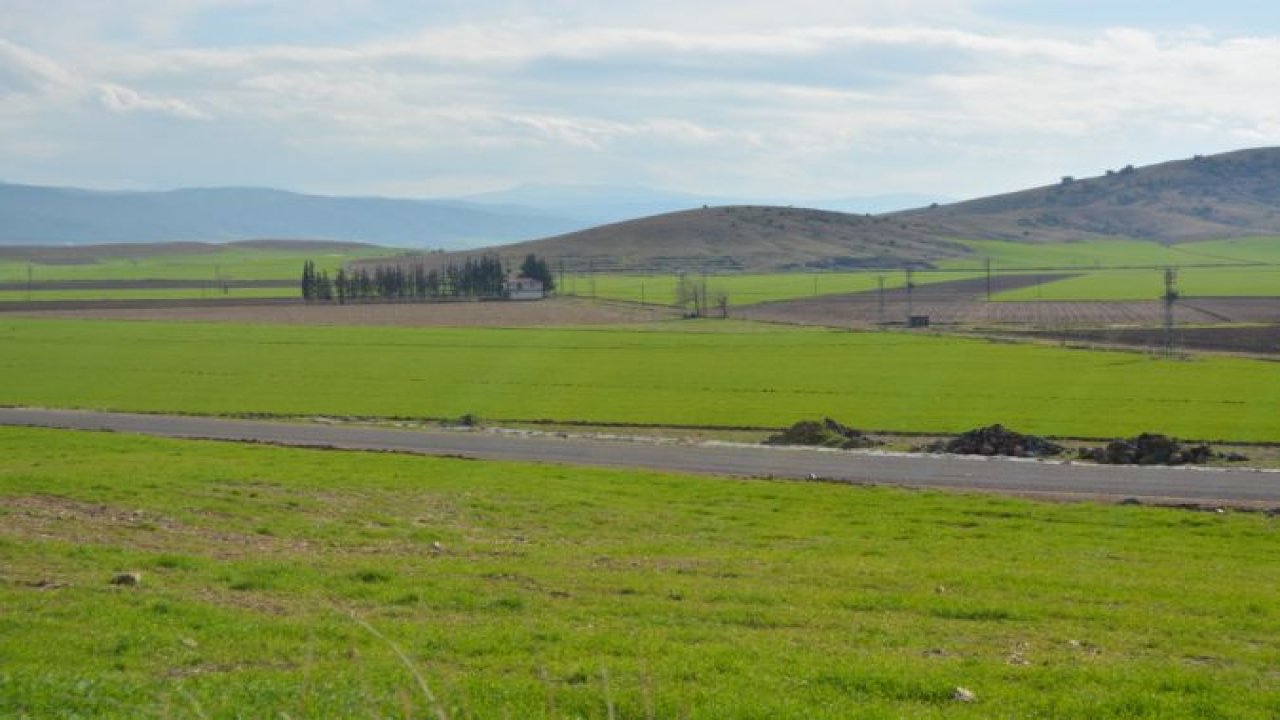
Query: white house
[520, 287]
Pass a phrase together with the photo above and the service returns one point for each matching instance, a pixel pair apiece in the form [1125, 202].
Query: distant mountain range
[40, 216]
[33, 215]
[1230, 195]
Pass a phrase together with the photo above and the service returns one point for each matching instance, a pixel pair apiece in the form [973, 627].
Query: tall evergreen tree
[340, 286]
[537, 268]
[308, 280]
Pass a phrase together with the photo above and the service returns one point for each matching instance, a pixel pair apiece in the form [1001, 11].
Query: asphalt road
[1021, 477]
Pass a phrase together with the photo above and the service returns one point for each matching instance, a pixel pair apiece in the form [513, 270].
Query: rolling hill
[1231, 195]
[738, 238]
[1223, 196]
[594, 205]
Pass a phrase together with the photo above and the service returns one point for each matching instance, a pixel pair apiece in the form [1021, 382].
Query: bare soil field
[89, 254]
[151, 284]
[555, 311]
[1254, 340]
[28, 307]
[963, 302]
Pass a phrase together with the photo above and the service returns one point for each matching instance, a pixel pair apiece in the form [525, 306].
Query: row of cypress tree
[482, 277]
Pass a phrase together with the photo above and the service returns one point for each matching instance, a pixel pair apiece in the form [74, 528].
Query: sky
[786, 100]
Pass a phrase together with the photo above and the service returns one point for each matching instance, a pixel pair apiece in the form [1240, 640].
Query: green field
[578, 593]
[1149, 284]
[1250, 250]
[232, 263]
[1134, 270]
[706, 373]
[284, 583]
[236, 263]
[747, 288]
[211, 293]
[1119, 270]
[1117, 253]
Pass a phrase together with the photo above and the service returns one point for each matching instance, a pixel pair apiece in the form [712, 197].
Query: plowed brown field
[556, 311]
[964, 303]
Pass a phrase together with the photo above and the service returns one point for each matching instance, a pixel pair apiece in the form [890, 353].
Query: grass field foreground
[704, 373]
[541, 591]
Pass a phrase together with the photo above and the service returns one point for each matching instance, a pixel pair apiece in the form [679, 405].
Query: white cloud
[814, 93]
[120, 99]
[24, 71]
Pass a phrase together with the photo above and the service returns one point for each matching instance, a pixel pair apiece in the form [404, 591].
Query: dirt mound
[997, 440]
[1154, 449]
[827, 433]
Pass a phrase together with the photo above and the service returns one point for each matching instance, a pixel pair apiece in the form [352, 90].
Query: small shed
[918, 321]
[520, 287]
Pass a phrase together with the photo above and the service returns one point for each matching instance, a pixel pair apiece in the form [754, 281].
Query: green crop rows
[706, 374]
[292, 583]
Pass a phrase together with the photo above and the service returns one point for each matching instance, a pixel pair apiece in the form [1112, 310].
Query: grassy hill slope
[1234, 195]
[744, 237]
[1231, 195]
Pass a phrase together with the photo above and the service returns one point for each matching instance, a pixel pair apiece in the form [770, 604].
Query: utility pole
[988, 264]
[910, 299]
[1170, 297]
[29, 269]
[561, 283]
[641, 292]
[880, 299]
[591, 273]
[702, 309]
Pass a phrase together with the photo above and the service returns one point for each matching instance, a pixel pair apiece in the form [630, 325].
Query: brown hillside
[737, 238]
[1230, 195]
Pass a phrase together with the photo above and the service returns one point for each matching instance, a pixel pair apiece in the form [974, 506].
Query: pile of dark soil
[827, 433]
[997, 440]
[1155, 449]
